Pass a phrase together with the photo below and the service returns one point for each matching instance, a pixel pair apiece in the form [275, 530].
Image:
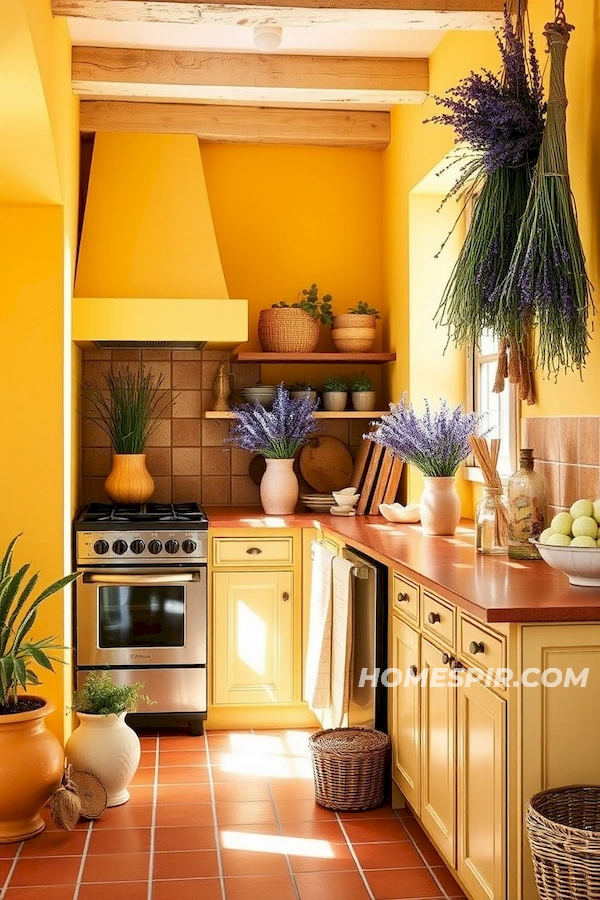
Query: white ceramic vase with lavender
[279, 487]
[439, 505]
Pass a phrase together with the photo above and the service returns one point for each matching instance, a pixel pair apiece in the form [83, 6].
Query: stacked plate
[263, 393]
[317, 502]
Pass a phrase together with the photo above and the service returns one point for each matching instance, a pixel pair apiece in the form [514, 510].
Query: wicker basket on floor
[563, 825]
[350, 767]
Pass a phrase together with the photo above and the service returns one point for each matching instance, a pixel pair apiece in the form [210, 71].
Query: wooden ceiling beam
[243, 124]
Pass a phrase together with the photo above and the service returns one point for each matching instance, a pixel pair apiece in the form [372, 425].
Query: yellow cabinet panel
[403, 706]
[481, 791]
[438, 768]
[438, 618]
[405, 598]
[253, 551]
[253, 654]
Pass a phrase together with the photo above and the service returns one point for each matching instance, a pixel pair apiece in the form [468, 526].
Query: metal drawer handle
[403, 597]
[456, 664]
[476, 647]
[413, 671]
[253, 551]
[447, 659]
[433, 617]
[285, 596]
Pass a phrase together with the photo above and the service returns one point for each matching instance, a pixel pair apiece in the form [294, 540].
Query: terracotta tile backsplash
[186, 455]
[567, 453]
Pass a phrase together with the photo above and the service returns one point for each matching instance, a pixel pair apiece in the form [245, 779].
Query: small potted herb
[295, 327]
[299, 388]
[335, 393]
[354, 332]
[363, 395]
[104, 744]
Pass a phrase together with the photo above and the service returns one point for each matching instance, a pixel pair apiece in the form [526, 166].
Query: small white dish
[343, 499]
[395, 512]
[342, 511]
[348, 490]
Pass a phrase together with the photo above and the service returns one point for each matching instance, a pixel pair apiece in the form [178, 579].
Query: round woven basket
[563, 825]
[287, 330]
[350, 766]
[352, 333]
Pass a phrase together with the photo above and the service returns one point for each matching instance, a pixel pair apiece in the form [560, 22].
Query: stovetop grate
[145, 512]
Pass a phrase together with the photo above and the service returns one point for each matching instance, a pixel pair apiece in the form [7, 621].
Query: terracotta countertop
[496, 589]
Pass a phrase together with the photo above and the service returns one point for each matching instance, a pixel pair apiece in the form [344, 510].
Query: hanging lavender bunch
[501, 119]
[277, 433]
[436, 443]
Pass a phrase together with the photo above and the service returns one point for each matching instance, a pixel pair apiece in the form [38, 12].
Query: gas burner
[108, 515]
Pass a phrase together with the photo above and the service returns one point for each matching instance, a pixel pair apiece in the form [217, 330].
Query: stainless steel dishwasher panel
[361, 712]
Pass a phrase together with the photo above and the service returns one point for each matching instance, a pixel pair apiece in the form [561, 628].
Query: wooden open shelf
[321, 414]
[339, 358]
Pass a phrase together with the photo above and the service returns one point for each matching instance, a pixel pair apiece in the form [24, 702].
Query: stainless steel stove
[141, 603]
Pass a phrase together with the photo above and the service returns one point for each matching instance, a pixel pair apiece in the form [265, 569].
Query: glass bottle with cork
[528, 508]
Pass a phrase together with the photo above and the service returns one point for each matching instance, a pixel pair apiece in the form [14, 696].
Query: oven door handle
[125, 580]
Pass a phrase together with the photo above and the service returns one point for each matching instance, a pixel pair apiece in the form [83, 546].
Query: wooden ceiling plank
[245, 124]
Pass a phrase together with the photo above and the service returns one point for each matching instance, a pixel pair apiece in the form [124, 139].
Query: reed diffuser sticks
[487, 460]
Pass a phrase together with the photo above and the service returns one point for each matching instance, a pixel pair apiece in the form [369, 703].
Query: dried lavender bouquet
[277, 433]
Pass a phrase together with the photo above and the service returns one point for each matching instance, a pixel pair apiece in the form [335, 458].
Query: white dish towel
[317, 673]
[342, 640]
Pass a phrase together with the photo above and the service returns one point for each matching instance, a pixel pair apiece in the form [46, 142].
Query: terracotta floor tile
[7, 851]
[231, 791]
[116, 890]
[382, 812]
[320, 831]
[148, 759]
[389, 855]
[181, 742]
[183, 775]
[51, 892]
[176, 794]
[303, 811]
[294, 789]
[127, 816]
[258, 887]
[143, 776]
[116, 867]
[402, 884]
[448, 883]
[190, 864]
[53, 843]
[5, 865]
[247, 862]
[190, 837]
[187, 889]
[368, 830]
[429, 852]
[52, 870]
[141, 794]
[226, 739]
[246, 812]
[329, 885]
[185, 814]
[120, 840]
[233, 830]
[148, 743]
[340, 860]
[183, 757]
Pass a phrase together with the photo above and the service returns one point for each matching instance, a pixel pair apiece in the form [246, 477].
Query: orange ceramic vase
[31, 768]
[129, 480]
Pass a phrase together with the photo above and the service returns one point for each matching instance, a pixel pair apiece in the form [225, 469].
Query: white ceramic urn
[108, 748]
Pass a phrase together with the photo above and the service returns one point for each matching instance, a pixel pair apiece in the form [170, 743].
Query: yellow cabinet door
[481, 791]
[438, 751]
[253, 649]
[403, 716]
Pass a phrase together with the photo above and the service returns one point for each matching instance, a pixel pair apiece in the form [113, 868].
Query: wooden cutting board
[326, 464]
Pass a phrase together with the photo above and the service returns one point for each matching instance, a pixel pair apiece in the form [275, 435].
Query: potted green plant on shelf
[354, 331]
[128, 407]
[299, 388]
[335, 393]
[295, 327]
[31, 758]
[104, 744]
[363, 395]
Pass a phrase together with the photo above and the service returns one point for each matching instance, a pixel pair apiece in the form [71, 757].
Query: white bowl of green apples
[572, 543]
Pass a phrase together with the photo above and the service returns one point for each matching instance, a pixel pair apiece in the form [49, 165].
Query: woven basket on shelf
[563, 825]
[287, 329]
[352, 333]
[350, 766]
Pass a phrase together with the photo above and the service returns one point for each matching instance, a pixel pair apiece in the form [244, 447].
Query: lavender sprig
[436, 443]
[277, 433]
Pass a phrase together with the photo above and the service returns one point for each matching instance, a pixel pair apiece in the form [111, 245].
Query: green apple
[561, 523]
[558, 539]
[582, 508]
[584, 540]
[596, 505]
[585, 526]
[543, 538]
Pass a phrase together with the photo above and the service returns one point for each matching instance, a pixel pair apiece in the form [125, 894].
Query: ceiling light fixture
[267, 37]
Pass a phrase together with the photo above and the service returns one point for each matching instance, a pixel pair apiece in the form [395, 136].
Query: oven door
[151, 618]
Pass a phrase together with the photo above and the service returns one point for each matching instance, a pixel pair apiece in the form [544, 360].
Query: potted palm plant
[104, 744]
[128, 407]
[31, 757]
[295, 327]
[354, 331]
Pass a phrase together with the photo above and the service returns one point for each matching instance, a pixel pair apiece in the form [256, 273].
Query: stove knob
[101, 547]
[155, 547]
[172, 546]
[188, 546]
[138, 546]
[119, 547]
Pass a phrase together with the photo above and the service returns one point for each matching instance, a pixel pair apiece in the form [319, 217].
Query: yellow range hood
[149, 271]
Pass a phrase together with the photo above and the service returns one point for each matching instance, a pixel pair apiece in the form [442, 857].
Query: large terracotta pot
[31, 768]
[279, 487]
[353, 333]
[440, 506]
[129, 480]
[108, 748]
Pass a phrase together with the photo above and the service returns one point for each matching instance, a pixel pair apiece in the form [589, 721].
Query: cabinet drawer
[253, 551]
[405, 598]
[481, 647]
[438, 618]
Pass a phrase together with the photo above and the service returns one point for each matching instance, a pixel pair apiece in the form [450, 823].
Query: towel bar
[357, 571]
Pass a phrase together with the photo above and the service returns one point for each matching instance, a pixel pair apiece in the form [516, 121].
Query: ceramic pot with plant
[104, 744]
[31, 757]
[436, 443]
[299, 388]
[295, 327]
[335, 393]
[363, 395]
[354, 331]
[128, 407]
[277, 434]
